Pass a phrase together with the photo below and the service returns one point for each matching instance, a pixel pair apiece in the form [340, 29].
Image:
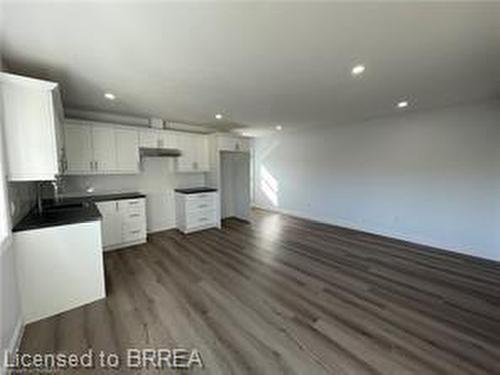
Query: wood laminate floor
[283, 295]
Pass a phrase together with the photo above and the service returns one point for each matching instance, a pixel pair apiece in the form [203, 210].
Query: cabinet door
[111, 223]
[148, 138]
[169, 139]
[127, 151]
[78, 145]
[103, 142]
[28, 122]
[202, 153]
[186, 162]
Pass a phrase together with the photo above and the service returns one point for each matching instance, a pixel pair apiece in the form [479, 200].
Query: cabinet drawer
[134, 235]
[202, 203]
[132, 206]
[134, 216]
[200, 218]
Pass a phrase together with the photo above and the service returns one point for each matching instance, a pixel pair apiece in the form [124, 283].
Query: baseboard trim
[156, 230]
[391, 235]
[14, 343]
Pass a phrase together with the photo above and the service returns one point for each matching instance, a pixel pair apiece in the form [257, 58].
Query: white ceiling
[260, 64]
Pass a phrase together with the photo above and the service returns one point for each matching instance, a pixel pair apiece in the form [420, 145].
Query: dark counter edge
[34, 221]
[107, 197]
[71, 216]
[196, 190]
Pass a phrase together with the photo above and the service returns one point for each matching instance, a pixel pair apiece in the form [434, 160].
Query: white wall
[431, 178]
[157, 180]
[10, 305]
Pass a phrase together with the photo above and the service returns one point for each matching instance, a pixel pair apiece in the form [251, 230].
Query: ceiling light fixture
[218, 116]
[279, 127]
[357, 70]
[109, 96]
[402, 104]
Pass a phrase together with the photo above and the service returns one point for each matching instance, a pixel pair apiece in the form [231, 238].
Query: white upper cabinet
[127, 150]
[186, 162]
[32, 122]
[153, 138]
[202, 153]
[79, 154]
[100, 149]
[194, 153]
[104, 148]
[148, 138]
[97, 148]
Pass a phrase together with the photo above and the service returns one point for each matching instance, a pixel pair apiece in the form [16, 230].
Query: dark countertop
[59, 215]
[106, 197]
[71, 210]
[196, 190]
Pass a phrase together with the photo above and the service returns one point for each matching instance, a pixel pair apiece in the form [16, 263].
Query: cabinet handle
[203, 205]
[203, 219]
[91, 165]
[135, 231]
[237, 147]
[135, 215]
[133, 202]
[116, 206]
[96, 165]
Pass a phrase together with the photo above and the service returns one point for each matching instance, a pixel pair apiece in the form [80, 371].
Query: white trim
[27, 81]
[13, 346]
[6, 244]
[389, 234]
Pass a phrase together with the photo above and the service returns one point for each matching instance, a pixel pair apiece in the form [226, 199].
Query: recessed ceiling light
[109, 96]
[279, 127]
[357, 70]
[218, 116]
[402, 104]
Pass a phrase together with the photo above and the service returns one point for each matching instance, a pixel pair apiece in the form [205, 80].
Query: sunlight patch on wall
[269, 185]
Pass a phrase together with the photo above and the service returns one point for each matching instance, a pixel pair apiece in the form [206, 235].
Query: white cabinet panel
[111, 223]
[194, 212]
[103, 143]
[151, 138]
[202, 153]
[148, 138]
[30, 121]
[59, 268]
[79, 154]
[127, 151]
[186, 162]
[124, 222]
[195, 153]
[169, 139]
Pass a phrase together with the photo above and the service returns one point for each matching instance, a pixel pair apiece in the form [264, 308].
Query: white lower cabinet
[123, 222]
[196, 212]
[59, 268]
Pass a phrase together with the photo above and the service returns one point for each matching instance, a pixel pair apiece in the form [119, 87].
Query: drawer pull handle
[135, 215]
[203, 219]
[135, 231]
[202, 205]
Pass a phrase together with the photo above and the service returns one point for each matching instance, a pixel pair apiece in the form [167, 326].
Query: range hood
[159, 152]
